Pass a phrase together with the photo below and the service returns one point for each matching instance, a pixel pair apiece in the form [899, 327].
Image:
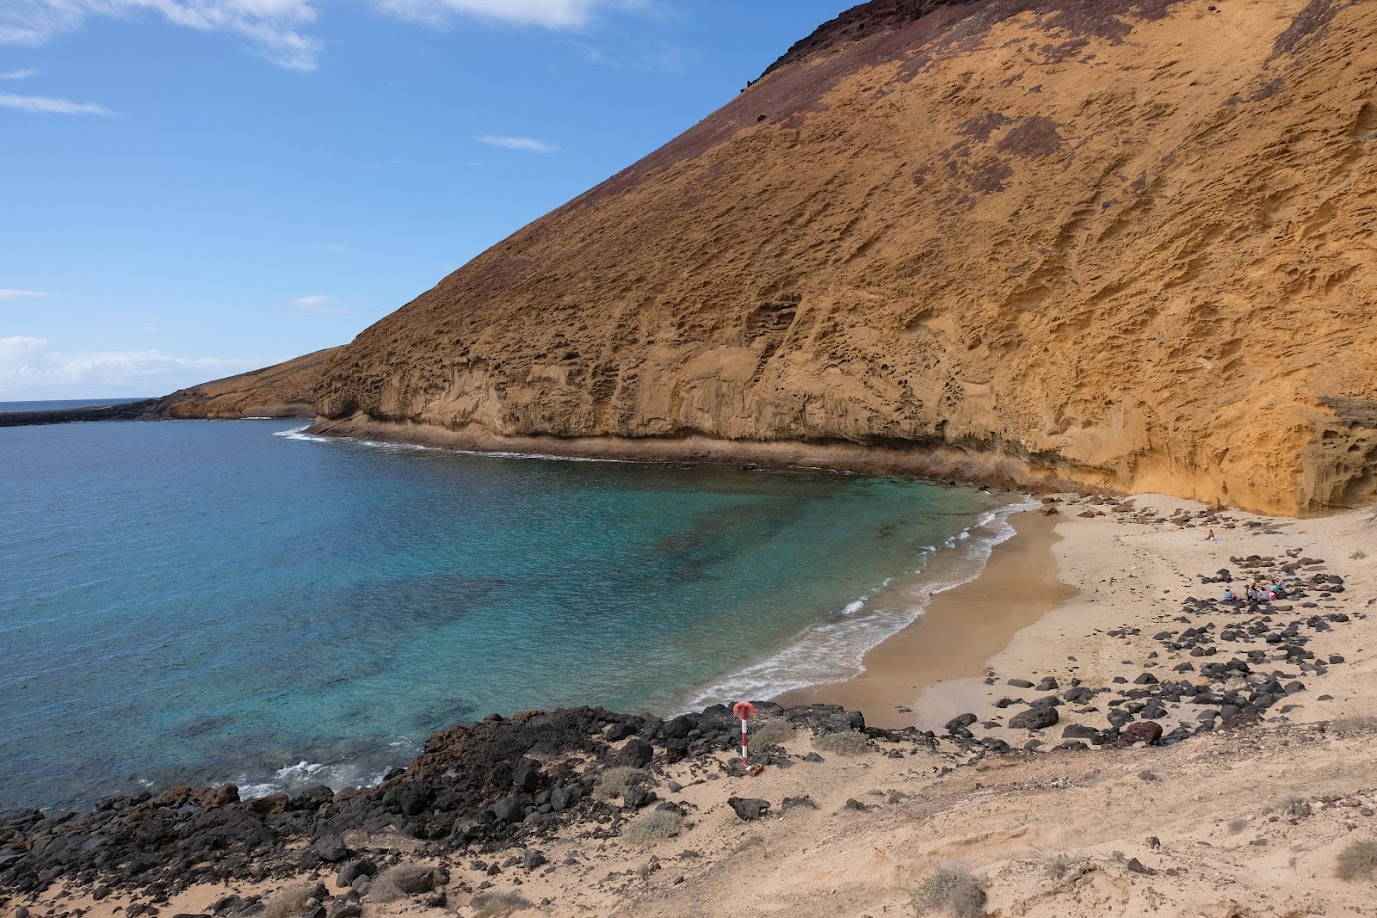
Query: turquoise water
[236, 601]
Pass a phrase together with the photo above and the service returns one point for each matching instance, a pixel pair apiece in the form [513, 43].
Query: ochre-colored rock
[286, 390]
[1126, 243]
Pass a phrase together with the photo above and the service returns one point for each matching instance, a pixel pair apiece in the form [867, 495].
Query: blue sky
[194, 188]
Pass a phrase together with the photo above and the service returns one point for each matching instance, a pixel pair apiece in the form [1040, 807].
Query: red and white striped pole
[744, 710]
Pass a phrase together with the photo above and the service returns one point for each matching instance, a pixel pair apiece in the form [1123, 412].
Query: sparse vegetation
[1358, 555]
[498, 904]
[288, 901]
[614, 782]
[652, 827]
[392, 884]
[1357, 861]
[1060, 864]
[1237, 825]
[750, 842]
[1293, 806]
[849, 743]
[1354, 724]
[951, 887]
[773, 732]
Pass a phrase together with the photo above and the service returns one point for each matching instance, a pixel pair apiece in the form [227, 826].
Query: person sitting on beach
[1229, 595]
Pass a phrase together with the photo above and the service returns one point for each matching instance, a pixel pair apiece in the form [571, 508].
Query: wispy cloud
[272, 26]
[316, 304]
[47, 105]
[19, 74]
[548, 14]
[30, 368]
[279, 30]
[665, 57]
[21, 294]
[525, 144]
[333, 249]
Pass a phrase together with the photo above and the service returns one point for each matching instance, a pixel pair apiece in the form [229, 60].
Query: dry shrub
[951, 887]
[498, 904]
[288, 901]
[614, 782]
[850, 743]
[1357, 861]
[394, 882]
[1060, 864]
[1356, 723]
[773, 732]
[652, 827]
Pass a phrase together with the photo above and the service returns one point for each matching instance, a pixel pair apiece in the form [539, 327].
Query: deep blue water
[63, 403]
[234, 601]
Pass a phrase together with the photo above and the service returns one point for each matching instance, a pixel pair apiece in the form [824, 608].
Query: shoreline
[1245, 781]
[959, 632]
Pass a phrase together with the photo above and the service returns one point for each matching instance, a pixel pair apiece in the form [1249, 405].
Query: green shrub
[1358, 860]
[951, 887]
[850, 743]
[655, 826]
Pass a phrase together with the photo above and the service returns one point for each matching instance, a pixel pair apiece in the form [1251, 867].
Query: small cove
[235, 601]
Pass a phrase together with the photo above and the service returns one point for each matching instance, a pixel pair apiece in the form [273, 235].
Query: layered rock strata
[1125, 243]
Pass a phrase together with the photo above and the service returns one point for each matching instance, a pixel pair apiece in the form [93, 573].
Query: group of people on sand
[1257, 593]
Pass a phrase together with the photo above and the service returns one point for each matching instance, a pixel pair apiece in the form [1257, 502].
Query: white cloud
[549, 14]
[279, 29]
[333, 249]
[47, 105]
[18, 74]
[272, 26]
[31, 369]
[315, 305]
[527, 144]
[19, 294]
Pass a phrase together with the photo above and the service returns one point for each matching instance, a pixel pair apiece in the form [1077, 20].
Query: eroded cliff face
[286, 390]
[1128, 244]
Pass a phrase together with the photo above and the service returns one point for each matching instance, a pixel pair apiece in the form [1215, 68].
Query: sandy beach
[961, 629]
[1260, 803]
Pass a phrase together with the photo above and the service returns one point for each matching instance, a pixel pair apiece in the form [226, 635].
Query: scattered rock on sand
[749, 809]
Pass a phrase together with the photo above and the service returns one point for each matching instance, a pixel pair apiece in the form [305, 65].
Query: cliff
[286, 390]
[1124, 243]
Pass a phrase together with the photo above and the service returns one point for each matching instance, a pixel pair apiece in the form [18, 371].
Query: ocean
[238, 601]
[63, 404]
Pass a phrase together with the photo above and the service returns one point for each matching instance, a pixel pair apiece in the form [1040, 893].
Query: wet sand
[960, 631]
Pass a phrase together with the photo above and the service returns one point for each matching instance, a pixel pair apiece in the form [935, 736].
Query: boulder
[1037, 717]
[1144, 731]
[749, 809]
[637, 753]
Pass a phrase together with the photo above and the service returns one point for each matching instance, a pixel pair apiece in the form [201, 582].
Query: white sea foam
[834, 651]
[291, 779]
[301, 434]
